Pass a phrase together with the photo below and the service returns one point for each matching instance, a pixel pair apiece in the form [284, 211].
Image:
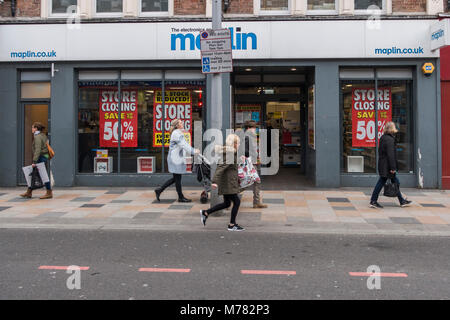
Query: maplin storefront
[315, 81]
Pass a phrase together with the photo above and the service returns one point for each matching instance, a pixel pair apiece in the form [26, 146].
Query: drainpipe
[13, 8]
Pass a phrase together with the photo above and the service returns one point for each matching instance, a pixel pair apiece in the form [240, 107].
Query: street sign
[215, 47]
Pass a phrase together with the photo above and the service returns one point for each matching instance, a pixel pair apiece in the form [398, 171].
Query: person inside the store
[176, 159]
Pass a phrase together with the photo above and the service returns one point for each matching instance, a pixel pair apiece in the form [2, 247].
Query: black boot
[183, 199]
[158, 193]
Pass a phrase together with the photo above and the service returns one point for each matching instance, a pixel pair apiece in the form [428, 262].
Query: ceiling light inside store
[248, 69]
[177, 88]
[293, 69]
[198, 91]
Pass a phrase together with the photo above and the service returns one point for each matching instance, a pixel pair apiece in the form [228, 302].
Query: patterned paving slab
[337, 208]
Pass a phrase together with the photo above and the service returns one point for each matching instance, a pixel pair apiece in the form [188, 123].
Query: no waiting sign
[215, 48]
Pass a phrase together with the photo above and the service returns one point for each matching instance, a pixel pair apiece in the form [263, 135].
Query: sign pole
[215, 110]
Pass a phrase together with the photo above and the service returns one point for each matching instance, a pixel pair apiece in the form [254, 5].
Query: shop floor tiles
[121, 201]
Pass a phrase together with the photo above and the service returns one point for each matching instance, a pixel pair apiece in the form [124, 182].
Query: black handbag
[391, 189]
[36, 181]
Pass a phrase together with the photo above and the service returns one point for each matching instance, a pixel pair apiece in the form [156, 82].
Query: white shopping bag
[42, 173]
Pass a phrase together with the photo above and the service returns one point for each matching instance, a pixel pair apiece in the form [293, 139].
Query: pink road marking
[268, 272]
[382, 274]
[60, 268]
[164, 270]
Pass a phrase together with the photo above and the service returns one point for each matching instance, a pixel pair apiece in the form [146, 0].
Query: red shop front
[445, 116]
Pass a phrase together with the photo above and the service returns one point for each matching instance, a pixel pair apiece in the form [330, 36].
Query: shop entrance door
[31, 113]
[289, 118]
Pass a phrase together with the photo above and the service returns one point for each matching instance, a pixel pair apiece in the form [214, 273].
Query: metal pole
[215, 112]
[376, 120]
[119, 126]
[163, 105]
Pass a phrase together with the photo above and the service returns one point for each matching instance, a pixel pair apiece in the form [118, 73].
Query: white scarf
[36, 132]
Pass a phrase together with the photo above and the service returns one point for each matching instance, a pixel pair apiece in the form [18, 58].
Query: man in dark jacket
[387, 165]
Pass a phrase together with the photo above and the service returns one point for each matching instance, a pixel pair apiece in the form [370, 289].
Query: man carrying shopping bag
[251, 152]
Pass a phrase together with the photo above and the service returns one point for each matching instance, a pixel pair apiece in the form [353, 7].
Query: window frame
[154, 13]
[119, 82]
[263, 12]
[60, 15]
[323, 12]
[377, 79]
[96, 14]
[383, 10]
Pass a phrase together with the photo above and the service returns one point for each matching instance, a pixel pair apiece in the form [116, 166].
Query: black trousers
[177, 180]
[228, 198]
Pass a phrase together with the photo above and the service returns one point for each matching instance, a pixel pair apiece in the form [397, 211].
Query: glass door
[32, 112]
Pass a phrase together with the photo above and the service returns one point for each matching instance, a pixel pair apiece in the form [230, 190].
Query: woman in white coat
[176, 159]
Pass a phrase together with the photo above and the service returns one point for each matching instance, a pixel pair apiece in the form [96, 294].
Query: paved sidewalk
[342, 211]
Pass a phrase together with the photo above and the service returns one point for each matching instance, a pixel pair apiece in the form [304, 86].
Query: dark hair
[250, 124]
[38, 126]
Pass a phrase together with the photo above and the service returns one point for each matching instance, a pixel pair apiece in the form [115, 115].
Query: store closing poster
[178, 105]
[109, 119]
[363, 115]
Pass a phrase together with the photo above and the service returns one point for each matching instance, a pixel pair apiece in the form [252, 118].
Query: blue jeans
[380, 184]
[45, 161]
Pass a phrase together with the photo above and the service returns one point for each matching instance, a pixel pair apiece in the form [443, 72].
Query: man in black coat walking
[387, 165]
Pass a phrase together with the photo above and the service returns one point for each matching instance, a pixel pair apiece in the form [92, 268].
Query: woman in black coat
[387, 165]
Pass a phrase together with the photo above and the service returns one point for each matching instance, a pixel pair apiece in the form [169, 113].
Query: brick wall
[24, 8]
[409, 6]
[240, 6]
[5, 9]
[189, 7]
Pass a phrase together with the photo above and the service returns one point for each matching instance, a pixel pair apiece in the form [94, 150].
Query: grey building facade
[71, 85]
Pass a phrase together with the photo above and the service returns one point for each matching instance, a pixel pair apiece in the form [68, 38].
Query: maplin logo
[239, 40]
[438, 34]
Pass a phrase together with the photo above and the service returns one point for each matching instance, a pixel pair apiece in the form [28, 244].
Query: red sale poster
[177, 106]
[109, 119]
[363, 115]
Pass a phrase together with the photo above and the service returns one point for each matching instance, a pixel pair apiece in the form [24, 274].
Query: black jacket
[387, 155]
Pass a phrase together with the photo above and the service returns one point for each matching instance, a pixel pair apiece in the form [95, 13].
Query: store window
[361, 127]
[152, 6]
[109, 6]
[185, 101]
[322, 5]
[61, 6]
[142, 120]
[274, 5]
[97, 132]
[35, 90]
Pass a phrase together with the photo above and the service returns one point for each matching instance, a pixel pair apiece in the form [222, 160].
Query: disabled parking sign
[215, 48]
